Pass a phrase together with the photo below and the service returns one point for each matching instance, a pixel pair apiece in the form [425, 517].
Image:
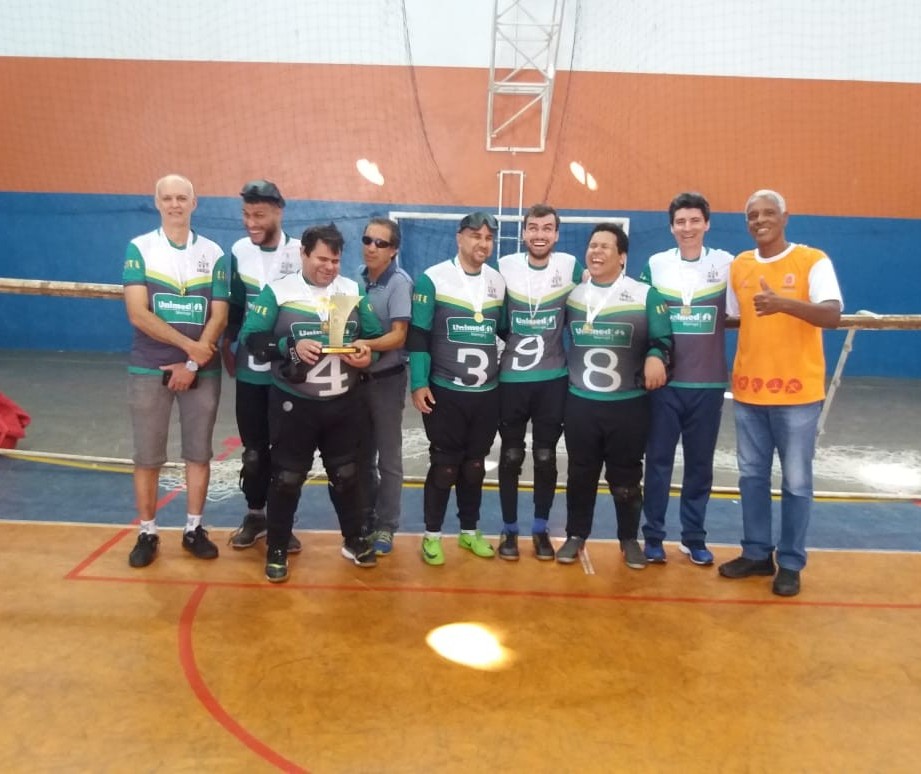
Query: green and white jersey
[535, 301]
[462, 314]
[613, 328]
[181, 282]
[695, 292]
[292, 307]
[252, 268]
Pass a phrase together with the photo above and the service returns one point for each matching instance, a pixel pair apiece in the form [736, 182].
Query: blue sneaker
[383, 542]
[655, 552]
[698, 554]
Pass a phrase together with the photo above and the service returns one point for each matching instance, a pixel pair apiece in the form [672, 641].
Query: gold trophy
[338, 307]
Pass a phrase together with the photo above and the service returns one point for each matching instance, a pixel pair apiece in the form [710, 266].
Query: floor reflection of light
[468, 644]
[890, 475]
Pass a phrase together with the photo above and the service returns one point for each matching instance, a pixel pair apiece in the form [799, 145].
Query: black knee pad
[473, 471]
[511, 459]
[443, 476]
[254, 461]
[627, 494]
[545, 459]
[288, 482]
[343, 475]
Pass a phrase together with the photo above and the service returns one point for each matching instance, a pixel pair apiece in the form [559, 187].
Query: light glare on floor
[468, 644]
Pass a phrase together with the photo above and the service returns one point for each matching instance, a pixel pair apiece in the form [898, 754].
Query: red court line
[513, 593]
[230, 445]
[208, 700]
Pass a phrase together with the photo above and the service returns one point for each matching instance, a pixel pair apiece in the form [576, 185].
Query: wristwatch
[191, 365]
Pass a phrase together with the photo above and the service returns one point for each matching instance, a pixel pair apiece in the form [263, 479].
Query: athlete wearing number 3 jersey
[532, 377]
[457, 311]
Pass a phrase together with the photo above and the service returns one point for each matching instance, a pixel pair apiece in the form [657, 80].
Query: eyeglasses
[262, 190]
[476, 221]
[380, 244]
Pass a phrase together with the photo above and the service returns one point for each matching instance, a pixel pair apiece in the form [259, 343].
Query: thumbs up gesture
[767, 301]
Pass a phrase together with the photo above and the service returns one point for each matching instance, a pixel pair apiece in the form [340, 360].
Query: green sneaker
[432, 552]
[477, 544]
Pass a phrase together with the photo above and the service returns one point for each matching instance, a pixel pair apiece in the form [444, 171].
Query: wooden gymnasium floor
[203, 666]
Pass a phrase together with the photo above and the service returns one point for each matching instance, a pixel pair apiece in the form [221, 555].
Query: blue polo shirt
[390, 298]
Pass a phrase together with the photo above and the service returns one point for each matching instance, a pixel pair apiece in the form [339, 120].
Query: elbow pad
[264, 347]
[417, 339]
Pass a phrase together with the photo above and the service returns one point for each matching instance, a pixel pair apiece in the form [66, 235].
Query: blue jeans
[791, 430]
[693, 414]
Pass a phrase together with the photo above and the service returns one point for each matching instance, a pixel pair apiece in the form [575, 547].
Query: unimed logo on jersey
[526, 325]
[180, 310]
[601, 334]
[466, 330]
[700, 320]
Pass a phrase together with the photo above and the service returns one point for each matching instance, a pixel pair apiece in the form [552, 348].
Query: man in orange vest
[784, 294]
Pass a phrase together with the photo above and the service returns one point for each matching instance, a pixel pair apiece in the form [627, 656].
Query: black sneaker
[246, 535]
[508, 546]
[145, 550]
[543, 548]
[196, 543]
[742, 567]
[276, 565]
[360, 551]
[294, 544]
[786, 584]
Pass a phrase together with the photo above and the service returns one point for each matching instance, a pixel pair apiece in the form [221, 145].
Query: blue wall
[82, 238]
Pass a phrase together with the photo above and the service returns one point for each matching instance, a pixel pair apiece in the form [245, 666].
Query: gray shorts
[150, 404]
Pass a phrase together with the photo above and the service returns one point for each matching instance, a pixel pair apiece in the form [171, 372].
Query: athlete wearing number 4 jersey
[313, 403]
[621, 347]
[457, 311]
[532, 377]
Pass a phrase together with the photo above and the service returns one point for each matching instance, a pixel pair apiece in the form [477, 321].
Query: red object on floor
[13, 423]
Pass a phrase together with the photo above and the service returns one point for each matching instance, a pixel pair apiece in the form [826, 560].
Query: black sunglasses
[380, 244]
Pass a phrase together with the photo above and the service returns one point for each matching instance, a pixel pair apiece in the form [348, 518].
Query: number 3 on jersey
[477, 370]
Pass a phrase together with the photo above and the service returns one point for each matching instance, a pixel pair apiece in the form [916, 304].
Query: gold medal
[587, 327]
[479, 317]
[324, 327]
[686, 310]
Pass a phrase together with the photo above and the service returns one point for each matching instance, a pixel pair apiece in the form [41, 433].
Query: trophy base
[339, 350]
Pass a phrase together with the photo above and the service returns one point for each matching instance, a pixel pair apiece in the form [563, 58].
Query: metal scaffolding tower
[526, 40]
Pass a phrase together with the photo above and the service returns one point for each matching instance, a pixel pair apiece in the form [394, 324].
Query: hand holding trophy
[339, 306]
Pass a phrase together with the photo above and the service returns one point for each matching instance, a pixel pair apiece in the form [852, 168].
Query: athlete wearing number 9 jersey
[457, 311]
[621, 345]
[532, 376]
[313, 400]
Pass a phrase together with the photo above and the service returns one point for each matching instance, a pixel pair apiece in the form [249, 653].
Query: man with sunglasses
[389, 292]
[457, 311]
[533, 377]
[266, 254]
[313, 401]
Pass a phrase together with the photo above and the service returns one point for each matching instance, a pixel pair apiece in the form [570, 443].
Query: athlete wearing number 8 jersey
[532, 376]
[313, 401]
[621, 344]
[457, 311]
